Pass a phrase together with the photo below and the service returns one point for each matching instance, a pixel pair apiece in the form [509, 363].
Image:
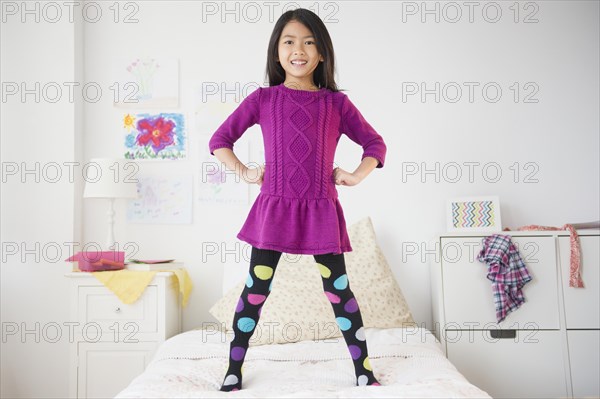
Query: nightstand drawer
[106, 368]
[99, 305]
[114, 341]
[469, 297]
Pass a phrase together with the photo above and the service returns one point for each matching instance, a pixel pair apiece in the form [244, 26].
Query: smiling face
[298, 55]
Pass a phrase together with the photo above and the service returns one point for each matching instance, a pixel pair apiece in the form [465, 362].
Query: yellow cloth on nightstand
[185, 284]
[129, 285]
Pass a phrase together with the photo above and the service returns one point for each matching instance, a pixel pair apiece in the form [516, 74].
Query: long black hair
[324, 73]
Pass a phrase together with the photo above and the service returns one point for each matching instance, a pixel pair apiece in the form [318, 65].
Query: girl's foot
[231, 383]
[367, 379]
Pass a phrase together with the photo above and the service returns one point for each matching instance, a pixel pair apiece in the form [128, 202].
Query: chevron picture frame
[476, 214]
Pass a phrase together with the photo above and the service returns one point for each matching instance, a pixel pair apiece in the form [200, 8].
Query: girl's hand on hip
[344, 178]
[254, 175]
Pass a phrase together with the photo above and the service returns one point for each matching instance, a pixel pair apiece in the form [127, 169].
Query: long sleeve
[354, 125]
[245, 115]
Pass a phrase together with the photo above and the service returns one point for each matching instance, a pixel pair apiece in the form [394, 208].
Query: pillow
[297, 308]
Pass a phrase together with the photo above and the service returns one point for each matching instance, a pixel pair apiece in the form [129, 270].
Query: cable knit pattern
[297, 210]
[320, 164]
[324, 118]
[277, 147]
[299, 148]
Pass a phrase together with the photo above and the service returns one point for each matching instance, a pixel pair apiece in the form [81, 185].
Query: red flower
[158, 131]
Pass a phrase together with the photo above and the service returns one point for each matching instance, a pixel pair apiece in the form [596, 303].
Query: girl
[302, 115]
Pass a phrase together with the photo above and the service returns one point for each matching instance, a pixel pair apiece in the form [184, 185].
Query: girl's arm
[222, 141]
[232, 162]
[356, 127]
[350, 179]
[366, 166]
[245, 115]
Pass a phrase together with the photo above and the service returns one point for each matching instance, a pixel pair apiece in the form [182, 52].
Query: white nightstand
[111, 342]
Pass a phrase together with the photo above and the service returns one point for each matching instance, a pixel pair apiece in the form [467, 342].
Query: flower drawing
[156, 136]
[158, 132]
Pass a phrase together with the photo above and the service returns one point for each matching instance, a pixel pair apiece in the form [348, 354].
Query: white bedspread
[408, 362]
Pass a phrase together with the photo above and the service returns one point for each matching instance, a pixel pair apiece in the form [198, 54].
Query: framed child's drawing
[155, 136]
[474, 214]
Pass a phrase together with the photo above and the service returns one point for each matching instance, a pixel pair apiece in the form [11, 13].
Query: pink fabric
[575, 280]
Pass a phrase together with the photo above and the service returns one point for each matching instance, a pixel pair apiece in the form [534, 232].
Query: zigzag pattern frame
[474, 214]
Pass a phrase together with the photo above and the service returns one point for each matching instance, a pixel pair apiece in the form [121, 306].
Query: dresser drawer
[468, 295]
[584, 350]
[530, 365]
[582, 305]
[98, 306]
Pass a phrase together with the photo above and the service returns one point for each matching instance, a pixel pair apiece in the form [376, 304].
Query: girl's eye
[310, 42]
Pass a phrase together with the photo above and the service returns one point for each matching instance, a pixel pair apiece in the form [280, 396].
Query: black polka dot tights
[336, 286]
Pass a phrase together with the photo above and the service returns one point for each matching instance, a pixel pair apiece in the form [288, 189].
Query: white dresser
[550, 346]
[111, 342]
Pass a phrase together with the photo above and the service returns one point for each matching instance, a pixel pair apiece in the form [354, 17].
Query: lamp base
[111, 244]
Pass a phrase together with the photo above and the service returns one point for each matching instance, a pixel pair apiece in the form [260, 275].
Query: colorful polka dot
[343, 323]
[355, 351]
[336, 289]
[240, 305]
[230, 380]
[341, 282]
[256, 299]
[263, 272]
[360, 334]
[237, 353]
[367, 364]
[351, 306]
[332, 297]
[324, 270]
[246, 324]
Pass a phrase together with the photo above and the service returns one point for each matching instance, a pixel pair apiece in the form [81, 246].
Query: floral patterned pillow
[298, 310]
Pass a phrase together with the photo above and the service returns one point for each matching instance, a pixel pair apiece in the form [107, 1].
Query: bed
[407, 361]
[312, 360]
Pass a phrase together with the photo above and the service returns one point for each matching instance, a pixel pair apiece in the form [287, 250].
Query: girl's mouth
[299, 63]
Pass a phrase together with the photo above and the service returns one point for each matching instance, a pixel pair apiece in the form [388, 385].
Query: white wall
[376, 52]
[41, 210]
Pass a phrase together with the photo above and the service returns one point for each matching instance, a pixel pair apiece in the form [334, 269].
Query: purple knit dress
[297, 210]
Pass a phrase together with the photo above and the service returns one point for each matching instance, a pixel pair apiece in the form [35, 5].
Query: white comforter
[408, 362]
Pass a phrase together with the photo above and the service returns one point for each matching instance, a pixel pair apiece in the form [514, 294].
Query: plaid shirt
[506, 271]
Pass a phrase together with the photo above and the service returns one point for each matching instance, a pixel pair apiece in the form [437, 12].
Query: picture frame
[474, 214]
